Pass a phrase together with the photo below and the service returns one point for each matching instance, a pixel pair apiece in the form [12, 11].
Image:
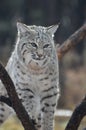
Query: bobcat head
[35, 44]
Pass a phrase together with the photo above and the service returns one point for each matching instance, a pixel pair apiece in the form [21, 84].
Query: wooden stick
[77, 116]
[72, 41]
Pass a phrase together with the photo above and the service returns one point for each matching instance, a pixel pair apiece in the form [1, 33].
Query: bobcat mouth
[39, 58]
[38, 64]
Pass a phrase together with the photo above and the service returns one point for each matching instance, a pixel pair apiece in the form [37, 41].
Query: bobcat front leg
[48, 110]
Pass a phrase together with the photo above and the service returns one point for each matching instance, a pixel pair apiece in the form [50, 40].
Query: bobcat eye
[45, 46]
[34, 44]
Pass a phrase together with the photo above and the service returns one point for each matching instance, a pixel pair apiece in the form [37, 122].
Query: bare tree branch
[16, 103]
[73, 40]
[77, 116]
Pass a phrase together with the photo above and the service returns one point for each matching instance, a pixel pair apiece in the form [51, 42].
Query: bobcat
[33, 67]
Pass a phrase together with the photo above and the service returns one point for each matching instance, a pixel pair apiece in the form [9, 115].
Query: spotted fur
[33, 68]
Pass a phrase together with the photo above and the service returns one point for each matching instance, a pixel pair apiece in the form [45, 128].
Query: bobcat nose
[40, 53]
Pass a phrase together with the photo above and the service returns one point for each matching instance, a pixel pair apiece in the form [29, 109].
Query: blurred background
[71, 14]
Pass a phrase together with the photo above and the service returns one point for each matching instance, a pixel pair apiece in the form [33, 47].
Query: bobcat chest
[39, 82]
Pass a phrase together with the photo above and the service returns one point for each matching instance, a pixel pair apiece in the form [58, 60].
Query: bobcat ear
[21, 28]
[24, 29]
[52, 29]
